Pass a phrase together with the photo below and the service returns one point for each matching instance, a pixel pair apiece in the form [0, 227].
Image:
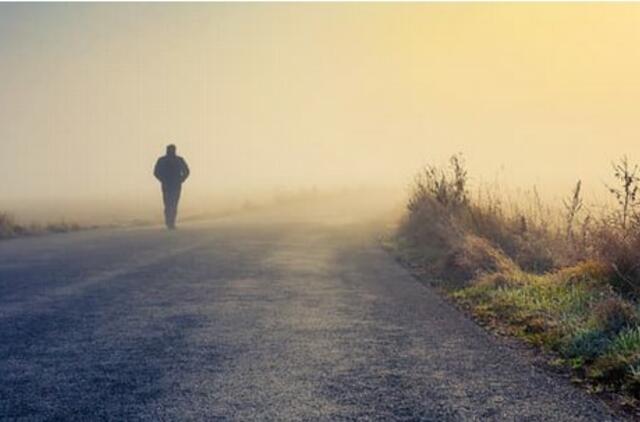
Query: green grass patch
[591, 328]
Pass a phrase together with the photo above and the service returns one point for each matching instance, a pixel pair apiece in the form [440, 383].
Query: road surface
[248, 318]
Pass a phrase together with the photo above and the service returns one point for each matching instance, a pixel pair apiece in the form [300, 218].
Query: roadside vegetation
[9, 228]
[565, 279]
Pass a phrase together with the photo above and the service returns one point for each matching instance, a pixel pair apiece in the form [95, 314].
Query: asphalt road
[248, 318]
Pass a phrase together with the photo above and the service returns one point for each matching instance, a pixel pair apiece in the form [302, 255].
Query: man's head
[171, 150]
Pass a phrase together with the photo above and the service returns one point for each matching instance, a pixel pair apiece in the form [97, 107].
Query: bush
[584, 271]
[7, 226]
[620, 252]
[446, 186]
[627, 342]
[568, 281]
[443, 214]
[587, 344]
[613, 315]
[473, 257]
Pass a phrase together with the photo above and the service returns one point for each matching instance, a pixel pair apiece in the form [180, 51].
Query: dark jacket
[171, 170]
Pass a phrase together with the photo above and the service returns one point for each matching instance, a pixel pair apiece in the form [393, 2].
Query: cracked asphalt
[249, 318]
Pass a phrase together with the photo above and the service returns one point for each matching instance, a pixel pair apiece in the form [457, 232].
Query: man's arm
[185, 170]
[156, 171]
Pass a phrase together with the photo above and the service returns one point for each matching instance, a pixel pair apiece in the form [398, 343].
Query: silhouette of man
[171, 170]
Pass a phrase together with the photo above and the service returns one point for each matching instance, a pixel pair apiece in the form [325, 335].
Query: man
[171, 170]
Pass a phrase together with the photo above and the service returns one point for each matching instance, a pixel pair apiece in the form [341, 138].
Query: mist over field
[362, 195]
[269, 98]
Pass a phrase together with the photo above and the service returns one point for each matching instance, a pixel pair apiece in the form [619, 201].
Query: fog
[262, 99]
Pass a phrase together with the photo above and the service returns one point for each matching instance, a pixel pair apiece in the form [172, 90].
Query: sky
[272, 96]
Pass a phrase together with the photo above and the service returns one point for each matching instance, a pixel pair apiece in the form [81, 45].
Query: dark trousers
[171, 196]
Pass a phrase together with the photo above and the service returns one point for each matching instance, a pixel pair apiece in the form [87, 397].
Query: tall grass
[10, 228]
[536, 237]
[566, 278]
[7, 226]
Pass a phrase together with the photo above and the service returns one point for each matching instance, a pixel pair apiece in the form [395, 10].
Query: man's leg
[175, 197]
[166, 199]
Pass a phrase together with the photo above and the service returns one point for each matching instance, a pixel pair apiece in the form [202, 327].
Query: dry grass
[566, 279]
[9, 228]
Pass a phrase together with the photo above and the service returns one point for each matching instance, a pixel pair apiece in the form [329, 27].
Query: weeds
[572, 206]
[627, 342]
[446, 186]
[567, 281]
[9, 228]
[626, 195]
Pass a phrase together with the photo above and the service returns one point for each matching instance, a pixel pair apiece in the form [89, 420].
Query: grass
[9, 228]
[541, 309]
[564, 281]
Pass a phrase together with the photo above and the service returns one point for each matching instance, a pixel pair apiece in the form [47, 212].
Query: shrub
[7, 226]
[568, 280]
[627, 342]
[447, 186]
[620, 252]
[585, 271]
[441, 212]
[474, 256]
[613, 315]
[626, 193]
[498, 280]
[587, 344]
[534, 253]
[62, 227]
[10, 228]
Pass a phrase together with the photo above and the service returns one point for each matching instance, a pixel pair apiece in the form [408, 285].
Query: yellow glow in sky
[264, 95]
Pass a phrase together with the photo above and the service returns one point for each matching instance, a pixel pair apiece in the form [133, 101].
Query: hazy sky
[260, 95]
